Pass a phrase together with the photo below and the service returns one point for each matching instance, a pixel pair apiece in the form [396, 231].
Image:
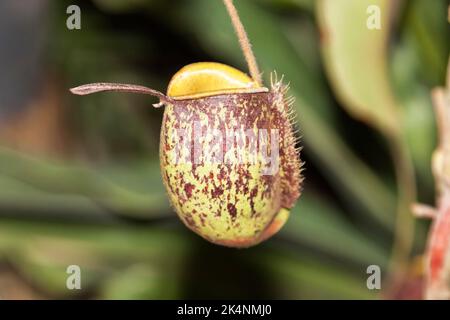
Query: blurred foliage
[102, 205]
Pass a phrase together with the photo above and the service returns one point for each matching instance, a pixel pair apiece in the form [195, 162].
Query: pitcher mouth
[220, 92]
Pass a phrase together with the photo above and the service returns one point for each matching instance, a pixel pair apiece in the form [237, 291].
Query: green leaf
[314, 222]
[55, 178]
[355, 58]
[308, 278]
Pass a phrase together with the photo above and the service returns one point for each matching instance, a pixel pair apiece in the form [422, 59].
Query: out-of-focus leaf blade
[315, 223]
[427, 26]
[419, 114]
[55, 179]
[356, 59]
[42, 251]
[305, 277]
[118, 258]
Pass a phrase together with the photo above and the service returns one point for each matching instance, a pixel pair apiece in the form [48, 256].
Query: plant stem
[244, 41]
[404, 227]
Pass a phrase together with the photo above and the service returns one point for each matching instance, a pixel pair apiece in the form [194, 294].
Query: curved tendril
[119, 87]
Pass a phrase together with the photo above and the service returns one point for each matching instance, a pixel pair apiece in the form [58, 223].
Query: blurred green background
[79, 176]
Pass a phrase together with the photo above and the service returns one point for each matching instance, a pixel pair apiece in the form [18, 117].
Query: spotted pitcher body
[230, 165]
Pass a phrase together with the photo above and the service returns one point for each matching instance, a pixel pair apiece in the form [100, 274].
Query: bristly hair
[288, 101]
[293, 137]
